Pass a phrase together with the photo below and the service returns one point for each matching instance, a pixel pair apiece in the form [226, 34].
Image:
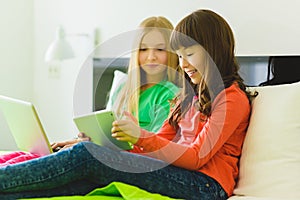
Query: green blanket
[115, 191]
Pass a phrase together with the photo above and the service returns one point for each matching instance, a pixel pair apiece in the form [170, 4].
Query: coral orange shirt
[212, 147]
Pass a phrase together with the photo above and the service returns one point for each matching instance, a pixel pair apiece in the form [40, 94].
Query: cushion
[14, 157]
[119, 79]
[270, 161]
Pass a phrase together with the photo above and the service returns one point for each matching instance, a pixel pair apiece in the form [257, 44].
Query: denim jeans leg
[73, 169]
[152, 175]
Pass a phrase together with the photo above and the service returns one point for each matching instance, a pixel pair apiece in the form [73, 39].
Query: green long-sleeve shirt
[154, 106]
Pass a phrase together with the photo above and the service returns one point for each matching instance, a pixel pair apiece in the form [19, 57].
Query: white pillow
[119, 79]
[270, 161]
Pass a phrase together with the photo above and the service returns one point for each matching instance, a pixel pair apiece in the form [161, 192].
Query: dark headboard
[253, 69]
[103, 74]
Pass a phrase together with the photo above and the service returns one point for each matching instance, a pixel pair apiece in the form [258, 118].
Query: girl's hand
[57, 146]
[126, 129]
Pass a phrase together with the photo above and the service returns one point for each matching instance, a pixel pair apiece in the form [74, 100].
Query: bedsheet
[14, 157]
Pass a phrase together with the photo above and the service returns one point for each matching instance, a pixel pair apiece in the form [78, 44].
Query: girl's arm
[229, 119]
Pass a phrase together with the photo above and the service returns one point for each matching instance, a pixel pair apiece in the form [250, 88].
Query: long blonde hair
[128, 97]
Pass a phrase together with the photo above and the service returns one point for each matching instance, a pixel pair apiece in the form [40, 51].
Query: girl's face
[192, 61]
[153, 55]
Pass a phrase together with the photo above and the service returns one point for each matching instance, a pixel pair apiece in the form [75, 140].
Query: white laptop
[97, 125]
[25, 126]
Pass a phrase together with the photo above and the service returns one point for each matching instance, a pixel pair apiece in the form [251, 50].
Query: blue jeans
[86, 166]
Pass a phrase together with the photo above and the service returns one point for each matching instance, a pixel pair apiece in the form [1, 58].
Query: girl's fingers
[115, 129]
[120, 136]
[58, 144]
[66, 143]
[83, 137]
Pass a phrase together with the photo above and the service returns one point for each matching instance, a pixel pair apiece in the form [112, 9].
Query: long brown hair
[212, 32]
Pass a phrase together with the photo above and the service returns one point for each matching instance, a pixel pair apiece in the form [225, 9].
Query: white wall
[28, 27]
[261, 27]
[16, 49]
[16, 56]
[53, 97]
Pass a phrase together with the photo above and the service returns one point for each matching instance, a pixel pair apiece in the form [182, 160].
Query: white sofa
[270, 161]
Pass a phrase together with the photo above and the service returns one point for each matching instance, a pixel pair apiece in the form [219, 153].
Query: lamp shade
[60, 48]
